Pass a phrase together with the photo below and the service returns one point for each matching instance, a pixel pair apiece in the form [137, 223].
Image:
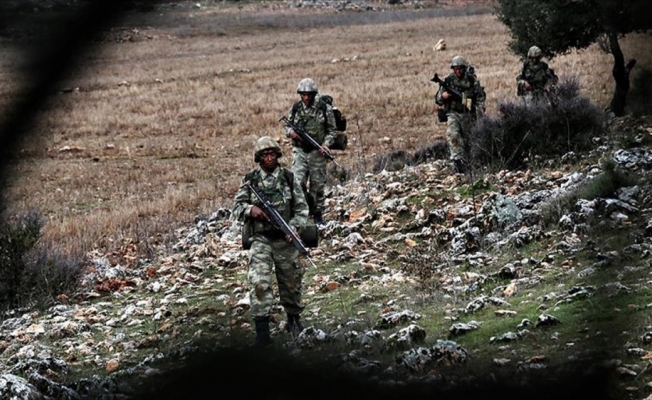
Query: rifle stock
[305, 137]
[278, 221]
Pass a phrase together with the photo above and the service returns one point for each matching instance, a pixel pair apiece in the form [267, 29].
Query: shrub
[398, 159]
[31, 271]
[568, 123]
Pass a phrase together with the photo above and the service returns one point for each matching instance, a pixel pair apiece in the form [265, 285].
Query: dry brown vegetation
[162, 126]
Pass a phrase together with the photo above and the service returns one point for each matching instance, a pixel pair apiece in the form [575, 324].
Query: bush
[568, 123]
[30, 271]
[399, 159]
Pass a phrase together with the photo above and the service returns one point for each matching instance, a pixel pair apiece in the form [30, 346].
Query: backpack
[340, 119]
[341, 140]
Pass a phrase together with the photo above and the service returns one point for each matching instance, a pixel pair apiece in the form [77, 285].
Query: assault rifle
[277, 220]
[306, 138]
[449, 89]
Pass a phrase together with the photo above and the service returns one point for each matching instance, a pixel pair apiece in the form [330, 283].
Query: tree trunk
[620, 73]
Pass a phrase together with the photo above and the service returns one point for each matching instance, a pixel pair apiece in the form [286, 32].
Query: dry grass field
[148, 132]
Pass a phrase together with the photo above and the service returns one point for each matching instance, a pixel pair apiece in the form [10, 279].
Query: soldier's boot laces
[459, 166]
[262, 331]
[318, 218]
[293, 325]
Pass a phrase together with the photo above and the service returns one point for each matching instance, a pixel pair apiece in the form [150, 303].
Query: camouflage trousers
[310, 169]
[532, 98]
[458, 126]
[282, 258]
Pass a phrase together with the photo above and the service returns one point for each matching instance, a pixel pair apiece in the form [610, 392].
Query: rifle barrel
[305, 136]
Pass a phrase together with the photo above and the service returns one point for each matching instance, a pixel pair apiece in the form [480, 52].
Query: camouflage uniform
[270, 252]
[308, 165]
[538, 75]
[460, 116]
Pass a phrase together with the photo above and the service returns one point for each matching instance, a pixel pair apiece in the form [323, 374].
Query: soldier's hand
[527, 85]
[323, 150]
[445, 95]
[295, 136]
[258, 213]
[288, 238]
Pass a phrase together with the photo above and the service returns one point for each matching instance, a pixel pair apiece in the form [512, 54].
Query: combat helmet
[307, 85]
[534, 52]
[459, 61]
[266, 143]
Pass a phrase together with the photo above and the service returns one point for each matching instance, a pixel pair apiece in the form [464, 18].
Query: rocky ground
[421, 276]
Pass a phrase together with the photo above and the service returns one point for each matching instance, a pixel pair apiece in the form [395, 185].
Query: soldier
[535, 77]
[309, 164]
[272, 250]
[461, 110]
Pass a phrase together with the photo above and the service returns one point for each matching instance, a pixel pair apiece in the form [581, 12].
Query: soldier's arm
[300, 217]
[520, 78]
[480, 99]
[242, 205]
[552, 77]
[480, 95]
[438, 99]
[331, 128]
[288, 129]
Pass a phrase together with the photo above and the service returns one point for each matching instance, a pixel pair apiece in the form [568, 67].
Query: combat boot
[262, 331]
[293, 325]
[319, 220]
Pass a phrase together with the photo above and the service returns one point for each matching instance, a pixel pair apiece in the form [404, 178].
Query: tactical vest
[281, 197]
[465, 86]
[312, 119]
[536, 74]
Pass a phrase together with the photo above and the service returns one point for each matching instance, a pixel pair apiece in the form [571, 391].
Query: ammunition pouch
[441, 115]
[340, 142]
[309, 234]
[306, 147]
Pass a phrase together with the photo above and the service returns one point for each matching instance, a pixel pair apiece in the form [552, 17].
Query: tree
[558, 26]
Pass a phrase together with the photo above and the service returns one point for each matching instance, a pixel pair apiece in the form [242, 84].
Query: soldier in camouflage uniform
[309, 164]
[535, 78]
[460, 113]
[272, 250]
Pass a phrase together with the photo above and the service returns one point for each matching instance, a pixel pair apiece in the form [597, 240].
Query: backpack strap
[251, 175]
[295, 108]
[289, 178]
[320, 104]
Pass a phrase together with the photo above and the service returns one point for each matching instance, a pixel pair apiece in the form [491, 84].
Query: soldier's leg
[300, 165]
[317, 164]
[289, 275]
[261, 265]
[456, 141]
[261, 296]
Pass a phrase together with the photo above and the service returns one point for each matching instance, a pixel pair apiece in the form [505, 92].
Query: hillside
[529, 283]
[422, 276]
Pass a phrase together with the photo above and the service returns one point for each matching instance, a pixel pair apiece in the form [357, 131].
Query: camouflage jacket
[317, 120]
[282, 189]
[537, 75]
[470, 89]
